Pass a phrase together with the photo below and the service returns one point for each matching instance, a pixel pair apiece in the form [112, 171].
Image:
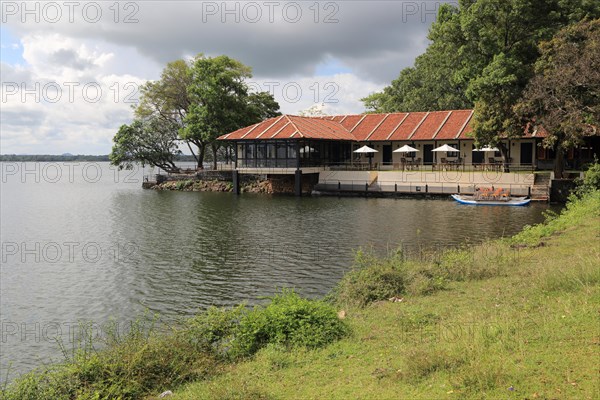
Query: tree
[221, 102]
[564, 94]
[147, 141]
[168, 98]
[482, 54]
[436, 81]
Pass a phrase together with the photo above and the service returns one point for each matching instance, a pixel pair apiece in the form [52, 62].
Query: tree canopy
[564, 94]
[148, 141]
[193, 102]
[481, 55]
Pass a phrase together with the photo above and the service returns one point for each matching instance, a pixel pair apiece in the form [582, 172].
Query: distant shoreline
[67, 157]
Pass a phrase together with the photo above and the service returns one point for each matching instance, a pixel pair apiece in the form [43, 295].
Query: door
[387, 154]
[427, 154]
[526, 153]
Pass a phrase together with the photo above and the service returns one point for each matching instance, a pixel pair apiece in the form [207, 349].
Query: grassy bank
[513, 318]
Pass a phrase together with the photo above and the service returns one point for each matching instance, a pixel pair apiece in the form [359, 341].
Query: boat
[503, 201]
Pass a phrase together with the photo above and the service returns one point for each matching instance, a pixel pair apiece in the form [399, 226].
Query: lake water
[83, 242]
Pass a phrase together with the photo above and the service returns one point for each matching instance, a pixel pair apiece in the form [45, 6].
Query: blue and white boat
[504, 201]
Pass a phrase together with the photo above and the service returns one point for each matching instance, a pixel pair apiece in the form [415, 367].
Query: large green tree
[221, 101]
[168, 98]
[564, 94]
[436, 81]
[199, 100]
[482, 55]
[152, 140]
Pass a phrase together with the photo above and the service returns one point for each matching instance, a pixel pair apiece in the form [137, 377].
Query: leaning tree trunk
[192, 151]
[559, 163]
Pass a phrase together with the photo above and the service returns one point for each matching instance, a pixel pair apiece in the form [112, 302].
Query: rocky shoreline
[191, 185]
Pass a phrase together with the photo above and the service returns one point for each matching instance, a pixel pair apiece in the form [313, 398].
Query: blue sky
[11, 50]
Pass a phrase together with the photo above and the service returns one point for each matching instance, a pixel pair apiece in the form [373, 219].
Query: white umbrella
[366, 149]
[405, 149]
[445, 148]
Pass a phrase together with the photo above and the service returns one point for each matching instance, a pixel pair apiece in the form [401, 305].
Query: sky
[70, 71]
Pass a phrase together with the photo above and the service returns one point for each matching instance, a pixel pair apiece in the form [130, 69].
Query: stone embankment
[191, 185]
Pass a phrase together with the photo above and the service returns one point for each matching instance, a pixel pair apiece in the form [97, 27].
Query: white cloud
[370, 41]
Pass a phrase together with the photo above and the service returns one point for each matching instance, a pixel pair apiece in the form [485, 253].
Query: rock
[165, 394]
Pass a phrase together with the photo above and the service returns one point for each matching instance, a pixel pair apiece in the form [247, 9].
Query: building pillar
[298, 183]
[236, 181]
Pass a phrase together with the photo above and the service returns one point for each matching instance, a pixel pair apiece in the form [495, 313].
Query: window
[453, 153]
[281, 150]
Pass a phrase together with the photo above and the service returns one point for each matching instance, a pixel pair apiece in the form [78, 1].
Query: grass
[512, 318]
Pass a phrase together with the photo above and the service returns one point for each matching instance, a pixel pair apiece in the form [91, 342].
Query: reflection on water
[124, 249]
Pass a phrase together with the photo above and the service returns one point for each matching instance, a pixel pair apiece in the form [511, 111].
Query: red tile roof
[435, 125]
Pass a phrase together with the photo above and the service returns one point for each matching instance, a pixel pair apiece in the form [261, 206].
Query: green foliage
[564, 94]
[221, 101]
[290, 321]
[372, 279]
[576, 211]
[132, 365]
[591, 179]
[214, 329]
[482, 55]
[150, 141]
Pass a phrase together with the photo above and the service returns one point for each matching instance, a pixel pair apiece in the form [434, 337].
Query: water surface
[91, 245]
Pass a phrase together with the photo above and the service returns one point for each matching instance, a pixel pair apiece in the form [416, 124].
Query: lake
[84, 242]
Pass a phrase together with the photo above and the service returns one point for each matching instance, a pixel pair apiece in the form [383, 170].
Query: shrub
[290, 321]
[214, 329]
[131, 366]
[591, 179]
[372, 279]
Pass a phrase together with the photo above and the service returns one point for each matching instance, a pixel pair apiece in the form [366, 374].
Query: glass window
[281, 150]
[261, 153]
[270, 150]
[291, 150]
[250, 149]
[240, 151]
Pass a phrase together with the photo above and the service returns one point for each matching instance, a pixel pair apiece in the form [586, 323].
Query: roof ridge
[397, 126]
[377, 126]
[418, 125]
[269, 127]
[294, 125]
[461, 130]
[442, 125]
[250, 130]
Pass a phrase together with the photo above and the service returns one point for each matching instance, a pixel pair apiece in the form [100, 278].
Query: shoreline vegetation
[510, 318]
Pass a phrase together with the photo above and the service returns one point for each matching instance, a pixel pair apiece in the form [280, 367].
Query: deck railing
[401, 187]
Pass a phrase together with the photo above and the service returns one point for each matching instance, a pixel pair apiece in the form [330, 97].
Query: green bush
[131, 366]
[372, 279]
[214, 329]
[591, 179]
[182, 185]
[288, 320]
